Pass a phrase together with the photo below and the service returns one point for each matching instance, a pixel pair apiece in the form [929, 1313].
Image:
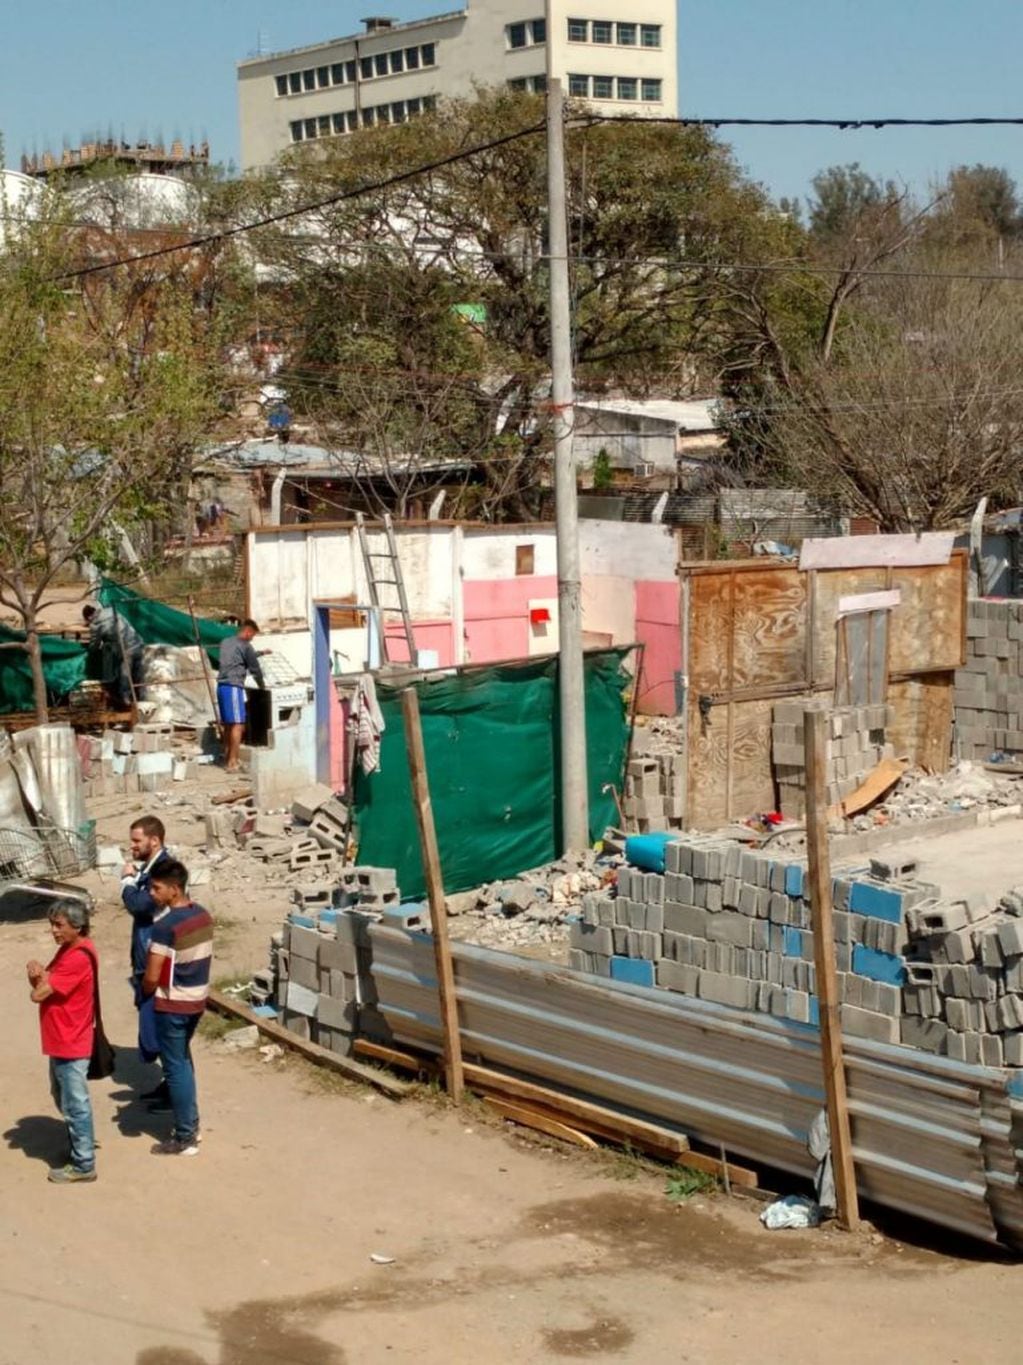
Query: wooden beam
[542, 1122]
[725, 1171]
[453, 1074]
[816, 727]
[312, 1052]
[392, 1056]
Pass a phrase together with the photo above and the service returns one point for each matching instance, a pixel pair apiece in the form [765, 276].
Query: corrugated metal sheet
[931, 1137]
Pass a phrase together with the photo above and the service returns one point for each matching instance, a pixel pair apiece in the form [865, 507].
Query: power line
[225, 234]
[843, 124]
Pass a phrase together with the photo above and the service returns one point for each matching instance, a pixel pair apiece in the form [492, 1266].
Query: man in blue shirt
[237, 660]
[147, 836]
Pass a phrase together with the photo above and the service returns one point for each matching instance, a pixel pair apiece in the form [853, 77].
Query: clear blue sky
[142, 69]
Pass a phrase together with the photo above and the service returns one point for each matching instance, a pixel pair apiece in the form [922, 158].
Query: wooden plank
[711, 1165]
[769, 626]
[435, 891]
[922, 729]
[312, 1052]
[718, 751]
[860, 552]
[821, 910]
[543, 1123]
[576, 1110]
[869, 601]
[392, 1056]
[929, 622]
[877, 782]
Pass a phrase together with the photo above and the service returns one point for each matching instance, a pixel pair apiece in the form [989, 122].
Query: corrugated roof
[690, 414]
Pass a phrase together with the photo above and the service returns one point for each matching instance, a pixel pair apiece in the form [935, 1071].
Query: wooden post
[816, 730]
[435, 891]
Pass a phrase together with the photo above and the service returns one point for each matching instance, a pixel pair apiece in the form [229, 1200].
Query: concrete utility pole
[574, 792]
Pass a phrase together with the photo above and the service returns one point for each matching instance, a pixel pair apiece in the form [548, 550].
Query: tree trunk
[35, 660]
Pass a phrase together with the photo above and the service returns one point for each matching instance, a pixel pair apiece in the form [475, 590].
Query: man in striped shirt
[178, 976]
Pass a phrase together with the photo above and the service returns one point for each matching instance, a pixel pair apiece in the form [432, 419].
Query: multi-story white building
[620, 55]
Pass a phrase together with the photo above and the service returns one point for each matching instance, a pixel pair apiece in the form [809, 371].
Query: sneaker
[159, 1106]
[70, 1175]
[175, 1147]
[158, 1093]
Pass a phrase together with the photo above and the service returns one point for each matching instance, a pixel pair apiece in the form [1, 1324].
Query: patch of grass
[213, 1026]
[688, 1182]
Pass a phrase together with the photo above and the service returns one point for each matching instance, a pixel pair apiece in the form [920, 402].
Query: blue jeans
[174, 1033]
[69, 1086]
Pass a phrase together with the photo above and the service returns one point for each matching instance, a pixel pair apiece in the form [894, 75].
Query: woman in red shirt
[65, 991]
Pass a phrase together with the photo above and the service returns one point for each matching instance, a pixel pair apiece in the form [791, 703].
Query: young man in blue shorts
[237, 658]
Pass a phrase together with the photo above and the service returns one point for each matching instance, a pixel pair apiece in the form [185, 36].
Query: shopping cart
[35, 858]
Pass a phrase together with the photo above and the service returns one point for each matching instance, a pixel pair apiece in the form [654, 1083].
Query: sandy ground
[257, 1252]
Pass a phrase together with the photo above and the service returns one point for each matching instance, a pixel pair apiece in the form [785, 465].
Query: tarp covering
[491, 741]
[63, 669]
[159, 624]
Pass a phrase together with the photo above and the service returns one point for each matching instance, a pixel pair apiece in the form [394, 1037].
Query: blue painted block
[303, 921]
[633, 970]
[878, 966]
[795, 879]
[815, 1012]
[791, 941]
[1015, 1083]
[264, 1011]
[328, 917]
[880, 902]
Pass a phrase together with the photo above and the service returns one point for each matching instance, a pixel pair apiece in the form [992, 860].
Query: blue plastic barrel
[647, 850]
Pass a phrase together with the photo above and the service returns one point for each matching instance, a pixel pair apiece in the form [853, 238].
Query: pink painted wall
[437, 635]
[658, 628]
[496, 613]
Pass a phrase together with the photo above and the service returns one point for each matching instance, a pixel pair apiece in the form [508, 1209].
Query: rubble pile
[920, 796]
[534, 908]
[144, 759]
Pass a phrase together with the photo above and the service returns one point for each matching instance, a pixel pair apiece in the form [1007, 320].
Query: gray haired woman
[65, 991]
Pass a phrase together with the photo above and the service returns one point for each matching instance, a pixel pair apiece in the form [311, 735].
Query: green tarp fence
[63, 669]
[159, 624]
[491, 741]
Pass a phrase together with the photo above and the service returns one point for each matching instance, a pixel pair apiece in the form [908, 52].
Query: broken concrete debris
[654, 795]
[128, 761]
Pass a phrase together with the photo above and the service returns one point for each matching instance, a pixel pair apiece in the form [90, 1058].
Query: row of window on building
[333, 125]
[365, 69]
[614, 87]
[533, 32]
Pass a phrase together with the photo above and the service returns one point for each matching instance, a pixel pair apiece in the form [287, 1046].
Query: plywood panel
[770, 619]
[709, 604]
[831, 587]
[923, 719]
[927, 632]
[729, 773]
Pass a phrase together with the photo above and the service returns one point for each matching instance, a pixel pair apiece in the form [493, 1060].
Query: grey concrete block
[990, 1050]
[760, 934]
[730, 927]
[713, 897]
[861, 1023]
[678, 886]
[592, 938]
[305, 972]
[1012, 1048]
[797, 1006]
[1010, 937]
[685, 919]
[620, 936]
[640, 944]
[748, 899]
[730, 889]
[304, 943]
[723, 989]
[336, 1014]
[653, 889]
[337, 956]
[889, 999]
[674, 976]
[928, 1035]
[778, 907]
[301, 999]
[654, 919]
[298, 1024]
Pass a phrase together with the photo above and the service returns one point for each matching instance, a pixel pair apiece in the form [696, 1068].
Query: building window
[538, 28]
[296, 131]
[295, 82]
[652, 91]
[578, 30]
[627, 88]
[366, 68]
[429, 103]
[519, 83]
[539, 85]
[627, 35]
[414, 107]
[282, 85]
[517, 36]
[398, 111]
[323, 125]
[412, 58]
[309, 79]
[525, 560]
[322, 77]
[337, 73]
[603, 31]
[380, 63]
[650, 35]
[338, 121]
[368, 118]
[579, 86]
[351, 71]
[603, 88]
[428, 53]
[352, 120]
[310, 127]
[397, 61]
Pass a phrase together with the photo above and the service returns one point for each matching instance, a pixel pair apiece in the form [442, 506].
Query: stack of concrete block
[125, 762]
[732, 925]
[989, 686]
[654, 792]
[856, 744]
[320, 962]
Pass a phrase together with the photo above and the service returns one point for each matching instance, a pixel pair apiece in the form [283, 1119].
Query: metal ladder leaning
[396, 581]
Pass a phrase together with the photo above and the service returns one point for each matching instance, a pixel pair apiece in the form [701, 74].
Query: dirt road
[257, 1252]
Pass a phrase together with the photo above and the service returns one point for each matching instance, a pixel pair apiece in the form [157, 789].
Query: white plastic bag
[794, 1211]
